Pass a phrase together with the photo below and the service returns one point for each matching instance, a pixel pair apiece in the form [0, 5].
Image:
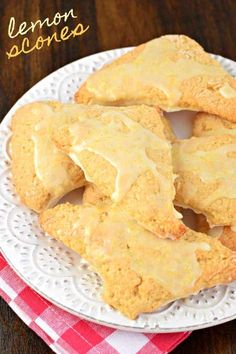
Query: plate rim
[156, 329]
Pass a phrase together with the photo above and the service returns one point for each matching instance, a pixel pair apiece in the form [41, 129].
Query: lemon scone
[123, 151]
[92, 195]
[168, 131]
[206, 124]
[140, 272]
[225, 234]
[41, 173]
[173, 72]
[206, 182]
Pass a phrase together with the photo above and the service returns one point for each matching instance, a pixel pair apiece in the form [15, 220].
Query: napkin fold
[68, 334]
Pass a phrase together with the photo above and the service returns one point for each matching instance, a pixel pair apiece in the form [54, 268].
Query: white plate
[59, 274]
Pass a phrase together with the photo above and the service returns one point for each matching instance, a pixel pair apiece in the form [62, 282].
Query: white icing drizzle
[47, 160]
[227, 91]
[216, 164]
[173, 264]
[161, 64]
[123, 143]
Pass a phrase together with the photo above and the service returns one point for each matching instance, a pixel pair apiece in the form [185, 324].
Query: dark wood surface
[113, 24]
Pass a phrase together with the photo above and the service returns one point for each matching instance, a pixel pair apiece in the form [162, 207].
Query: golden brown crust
[201, 92]
[211, 125]
[92, 195]
[125, 288]
[29, 187]
[168, 131]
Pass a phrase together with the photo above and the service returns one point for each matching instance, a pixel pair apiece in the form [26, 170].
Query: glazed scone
[206, 124]
[225, 234]
[172, 72]
[41, 173]
[206, 182]
[49, 173]
[123, 151]
[140, 272]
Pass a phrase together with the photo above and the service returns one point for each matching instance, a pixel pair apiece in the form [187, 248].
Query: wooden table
[113, 24]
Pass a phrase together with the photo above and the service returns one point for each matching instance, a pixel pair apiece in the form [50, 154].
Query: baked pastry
[124, 152]
[49, 173]
[172, 72]
[206, 124]
[168, 131]
[140, 272]
[41, 173]
[206, 179]
[225, 234]
[92, 195]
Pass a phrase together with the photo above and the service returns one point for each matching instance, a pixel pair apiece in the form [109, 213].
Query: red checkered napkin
[68, 334]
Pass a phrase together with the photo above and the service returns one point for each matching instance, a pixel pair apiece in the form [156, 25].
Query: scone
[168, 131]
[123, 151]
[41, 173]
[225, 234]
[172, 72]
[211, 125]
[140, 272]
[92, 195]
[206, 182]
